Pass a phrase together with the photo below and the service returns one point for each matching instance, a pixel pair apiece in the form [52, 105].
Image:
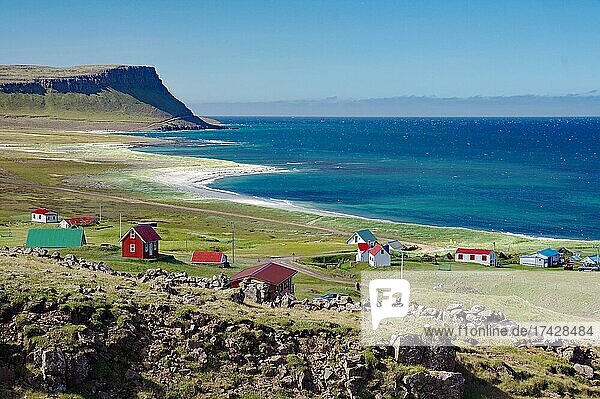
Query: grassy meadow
[78, 173]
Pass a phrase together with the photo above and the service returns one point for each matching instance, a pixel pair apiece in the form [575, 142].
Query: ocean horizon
[531, 176]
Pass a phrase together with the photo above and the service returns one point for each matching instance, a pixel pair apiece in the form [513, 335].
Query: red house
[278, 277]
[140, 242]
[209, 258]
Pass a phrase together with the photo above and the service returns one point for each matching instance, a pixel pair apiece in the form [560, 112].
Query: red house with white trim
[485, 257]
[278, 277]
[140, 242]
[209, 258]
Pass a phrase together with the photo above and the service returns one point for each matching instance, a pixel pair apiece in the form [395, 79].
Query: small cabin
[589, 260]
[74, 223]
[209, 258]
[44, 215]
[544, 258]
[55, 238]
[276, 276]
[140, 242]
[379, 255]
[485, 257]
[362, 252]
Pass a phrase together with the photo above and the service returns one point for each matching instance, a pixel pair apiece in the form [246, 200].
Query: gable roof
[548, 252]
[272, 273]
[43, 211]
[376, 249]
[82, 220]
[473, 251]
[55, 238]
[534, 255]
[397, 245]
[363, 246]
[365, 235]
[145, 232]
[207, 257]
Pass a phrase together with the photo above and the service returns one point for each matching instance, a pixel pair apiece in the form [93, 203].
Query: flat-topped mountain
[116, 97]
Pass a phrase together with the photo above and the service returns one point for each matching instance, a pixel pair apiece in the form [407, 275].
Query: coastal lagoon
[532, 176]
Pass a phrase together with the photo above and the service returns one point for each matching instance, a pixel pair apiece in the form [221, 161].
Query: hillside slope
[124, 97]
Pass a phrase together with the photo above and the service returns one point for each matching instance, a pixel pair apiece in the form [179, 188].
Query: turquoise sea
[533, 176]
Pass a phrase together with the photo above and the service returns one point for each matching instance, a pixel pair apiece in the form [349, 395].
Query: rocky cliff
[112, 92]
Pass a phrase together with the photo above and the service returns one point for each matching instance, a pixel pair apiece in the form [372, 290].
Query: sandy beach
[196, 180]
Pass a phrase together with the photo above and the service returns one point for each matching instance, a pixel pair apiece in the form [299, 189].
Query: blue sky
[210, 51]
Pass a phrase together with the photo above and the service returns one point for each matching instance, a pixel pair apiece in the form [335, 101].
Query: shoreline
[196, 182]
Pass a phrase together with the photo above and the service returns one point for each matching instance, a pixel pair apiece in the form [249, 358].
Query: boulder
[237, 296]
[54, 369]
[412, 349]
[575, 354]
[435, 384]
[584, 370]
[7, 375]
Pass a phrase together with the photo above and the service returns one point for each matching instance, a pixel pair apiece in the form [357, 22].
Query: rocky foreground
[69, 325]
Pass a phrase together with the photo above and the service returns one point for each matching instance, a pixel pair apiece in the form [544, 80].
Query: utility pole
[120, 226]
[402, 265]
[232, 243]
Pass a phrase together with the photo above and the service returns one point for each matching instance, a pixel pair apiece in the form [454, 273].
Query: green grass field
[32, 163]
[37, 167]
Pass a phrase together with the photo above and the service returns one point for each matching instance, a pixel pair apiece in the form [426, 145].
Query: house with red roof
[362, 252]
[485, 257]
[209, 258]
[44, 215]
[379, 255]
[73, 223]
[278, 277]
[140, 242]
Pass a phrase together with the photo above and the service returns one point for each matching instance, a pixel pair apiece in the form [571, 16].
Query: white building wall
[533, 260]
[382, 258]
[478, 258]
[51, 218]
[362, 256]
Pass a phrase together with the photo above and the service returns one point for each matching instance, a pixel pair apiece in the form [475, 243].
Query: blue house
[544, 258]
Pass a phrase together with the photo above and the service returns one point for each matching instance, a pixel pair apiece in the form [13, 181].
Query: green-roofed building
[55, 238]
[362, 237]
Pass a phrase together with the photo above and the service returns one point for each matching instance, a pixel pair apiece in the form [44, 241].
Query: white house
[362, 237]
[545, 258]
[591, 260]
[485, 257]
[362, 252]
[43, 215]
[379, 256]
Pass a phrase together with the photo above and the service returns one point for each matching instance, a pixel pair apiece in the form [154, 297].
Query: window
[460, 256]
[484, 258]
[132, 248]
[155, 245]
[132, 234]
[472, 257]
[146, 247]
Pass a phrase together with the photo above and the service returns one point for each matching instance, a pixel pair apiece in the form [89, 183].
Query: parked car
[568, 266]
[332, 296]
[589, 268]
